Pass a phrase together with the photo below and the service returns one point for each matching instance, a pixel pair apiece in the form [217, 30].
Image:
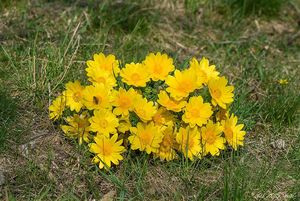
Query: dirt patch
[161, 183]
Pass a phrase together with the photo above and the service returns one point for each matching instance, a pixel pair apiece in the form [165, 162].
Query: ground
[45, 44]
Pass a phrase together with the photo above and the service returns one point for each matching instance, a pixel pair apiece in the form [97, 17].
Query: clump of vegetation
[256, 7]
[7, 115]
[153, 106]
[124, 16]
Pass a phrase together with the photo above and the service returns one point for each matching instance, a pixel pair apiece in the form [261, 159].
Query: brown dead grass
[162, 184]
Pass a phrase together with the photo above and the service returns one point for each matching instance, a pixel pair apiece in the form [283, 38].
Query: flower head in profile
[108, 150]
[57, 107]
[163, 117]
[189, 142]
[102, 62]
[104, 122]
[167, 146]
[124, 101]
[144, 109]
[182, 84]
[145, 137]
[203, 70]
[124, 124]
[211, 139]
[197, 112]
[159, 66]
[78, 127]
[98, 75]
[234, 134]
[169, 103]
[74, 94]
[97, 96]
[221, 93]
[135, 74]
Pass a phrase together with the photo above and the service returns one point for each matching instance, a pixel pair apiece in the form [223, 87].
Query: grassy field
[45, 43]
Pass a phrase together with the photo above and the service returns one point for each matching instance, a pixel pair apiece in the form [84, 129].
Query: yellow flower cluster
[151, 106]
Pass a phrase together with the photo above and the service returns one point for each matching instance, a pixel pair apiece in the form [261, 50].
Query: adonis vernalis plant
[187, 112]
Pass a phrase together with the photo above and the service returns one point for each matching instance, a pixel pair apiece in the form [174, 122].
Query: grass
[7, 115]
[45, 44]
[258, 7]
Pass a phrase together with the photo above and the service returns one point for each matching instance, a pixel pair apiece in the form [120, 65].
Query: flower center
[77, 96]
[210, 138]
[106, 149]
[228, 133]
[81, 124]
[185, 86]
[101, 80]
[195, 113]
[157, 69]
[216, 93]
[135, 77]
[146, 138]
[124, 102]
[107, 66]
[103, 123]
[158, 119]
[141, 112]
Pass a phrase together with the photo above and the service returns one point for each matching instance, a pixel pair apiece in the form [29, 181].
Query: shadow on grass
[8, 108]
[125, 16]
[256, 7]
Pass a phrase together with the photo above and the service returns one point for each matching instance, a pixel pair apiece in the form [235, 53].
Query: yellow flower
[163, 117]
[57, 107]
[233, 131]
[107, 63]
[189, 142]
[145, 137]
[97, 97]
[74, 93]
[98, 75]
[283, 81]
[211, 139]
[143, 109]
[104, 122]
[203, 70]
[124, 101]
[135, 75]
[107, 150]
[197, 112]
[169, 103]
[159, 66]
[182, 84]
[78, 127]
[124, 124]
[220, 93]
[166, 149]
